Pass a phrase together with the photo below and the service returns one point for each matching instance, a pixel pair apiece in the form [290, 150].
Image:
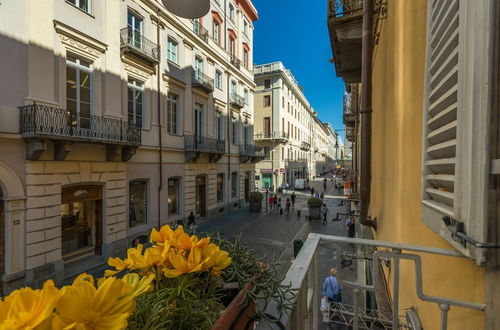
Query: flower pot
[314, 213]
[236, 316]
[255, 207]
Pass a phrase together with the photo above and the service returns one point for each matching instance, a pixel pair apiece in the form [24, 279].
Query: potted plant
[181, 281]
[314, 207]
[255, 199]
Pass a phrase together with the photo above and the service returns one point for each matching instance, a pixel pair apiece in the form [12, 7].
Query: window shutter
[456, 158]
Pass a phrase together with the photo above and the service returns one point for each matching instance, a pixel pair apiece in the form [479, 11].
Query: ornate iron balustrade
[304, 276]
[237, 100]
[295, 161]
[200, 31]
[251, 150]
[305, 146]
[272, 135]
[235, 61]
[132, 40]
[204, 144]
[349, 134]
[338, 8]
[40, 121]
[201, 80]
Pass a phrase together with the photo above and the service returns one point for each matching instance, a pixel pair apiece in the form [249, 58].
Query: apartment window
[218, 79]
[282, 152]
[245, 27]
[81, 4]
[267, 83]
[232, 46]
[173, 196]
[216, 31]
[267, 153]
[231, 11]
[234, 184]
[134, 24]
[282, 124]
[267, 100]
[245, 58]
[198, 67]
[267, 127]
[135, 97]
[234, 87]
[79, 90]
[245, 134]
[288, 104]
[172, 50]
[198, 119]
[172, 107]
[234, 129]
[218, 126]
[245, 96]
[283, 102]
[220, 187]
[138, 202]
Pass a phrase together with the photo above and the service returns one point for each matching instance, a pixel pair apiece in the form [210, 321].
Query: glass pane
[138, 121]
[84, 79]
[173, 195]
[84, 5]
[137, 203]
[71, 106]
[71, 58]
[130, 94]
[138, 108]
[138, 97]
[85, 109]
[85, 94]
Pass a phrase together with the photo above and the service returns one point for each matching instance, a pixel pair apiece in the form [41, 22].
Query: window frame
[175, 44]
[222, 183]
[77, 5]
[234, 184]
[78, 69]
[267, 101]
[177, 206]
[234, 131]
[137, 86]
[170, 123]
[218, 79]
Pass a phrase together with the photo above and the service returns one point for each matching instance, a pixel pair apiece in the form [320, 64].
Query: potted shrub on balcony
[255, 199]
[314, 207]
[179, 282]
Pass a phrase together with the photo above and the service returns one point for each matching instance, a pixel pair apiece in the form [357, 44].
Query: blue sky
[295, 33]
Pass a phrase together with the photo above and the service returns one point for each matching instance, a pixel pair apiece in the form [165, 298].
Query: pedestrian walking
[339, 188]
[332, 290]
[322, 196]
[275, 201]
[324, 184]
[278, 206]
[312, 191]
[191, 222]
[287, 206]
[293, 197]
[351, 230]
[316, 194]
[324, 213]
[271, 201]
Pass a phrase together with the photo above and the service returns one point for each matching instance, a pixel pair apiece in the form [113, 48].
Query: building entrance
[201, 184]
[247, 186]
[267, 180]
[81, 222]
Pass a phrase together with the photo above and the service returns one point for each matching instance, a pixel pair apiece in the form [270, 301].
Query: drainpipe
[366, 112]
[160, 151]
[229, 115]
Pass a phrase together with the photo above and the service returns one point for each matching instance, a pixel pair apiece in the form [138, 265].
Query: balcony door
[267, 127]
[134, 25]
[198, 68]
[200, 198]
[198, 122]
[79, 93]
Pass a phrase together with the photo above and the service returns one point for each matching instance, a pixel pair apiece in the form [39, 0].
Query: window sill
[173, 63]
[83, 11]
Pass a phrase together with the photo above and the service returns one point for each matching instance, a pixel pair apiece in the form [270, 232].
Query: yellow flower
[180, 265]
[29, 309]
[161, 236]
[139, 284]
[83, 306]
[135, 261]
[217, 260]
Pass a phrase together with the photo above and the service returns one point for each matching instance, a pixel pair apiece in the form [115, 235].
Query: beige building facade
[118, 117]
[295, 142]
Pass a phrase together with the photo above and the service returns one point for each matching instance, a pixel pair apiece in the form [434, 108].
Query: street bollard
[297, 245]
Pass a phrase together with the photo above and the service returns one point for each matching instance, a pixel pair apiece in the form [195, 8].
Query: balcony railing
[338, 8]
[304, 276]
[251, 150]
[201, 80]
[132, 41]
[305, 146]
[235, 61]
[272, 136]
[350, 134]
[40, 121]
[237, 101]
[203, 144]
[295, 161]
[200, 31]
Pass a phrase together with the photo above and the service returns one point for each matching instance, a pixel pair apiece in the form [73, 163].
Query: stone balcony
[132, 42]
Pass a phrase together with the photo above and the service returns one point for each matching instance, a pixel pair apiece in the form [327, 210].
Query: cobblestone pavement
[271, 235]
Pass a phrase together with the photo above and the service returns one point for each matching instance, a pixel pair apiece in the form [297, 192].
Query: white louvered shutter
[456, 160]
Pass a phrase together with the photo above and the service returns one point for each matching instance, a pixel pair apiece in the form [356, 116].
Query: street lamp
[187, 8]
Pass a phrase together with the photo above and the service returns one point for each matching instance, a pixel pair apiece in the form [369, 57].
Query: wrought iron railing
[200, 31]
[40, 121]
[271, 135]
[305, 146]
[204, 144]
[134, 39]
[304, 277]
[350, 134]
[235, 61]
[338, 8]
[251, 150]
[237, 100]
[202, 80]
